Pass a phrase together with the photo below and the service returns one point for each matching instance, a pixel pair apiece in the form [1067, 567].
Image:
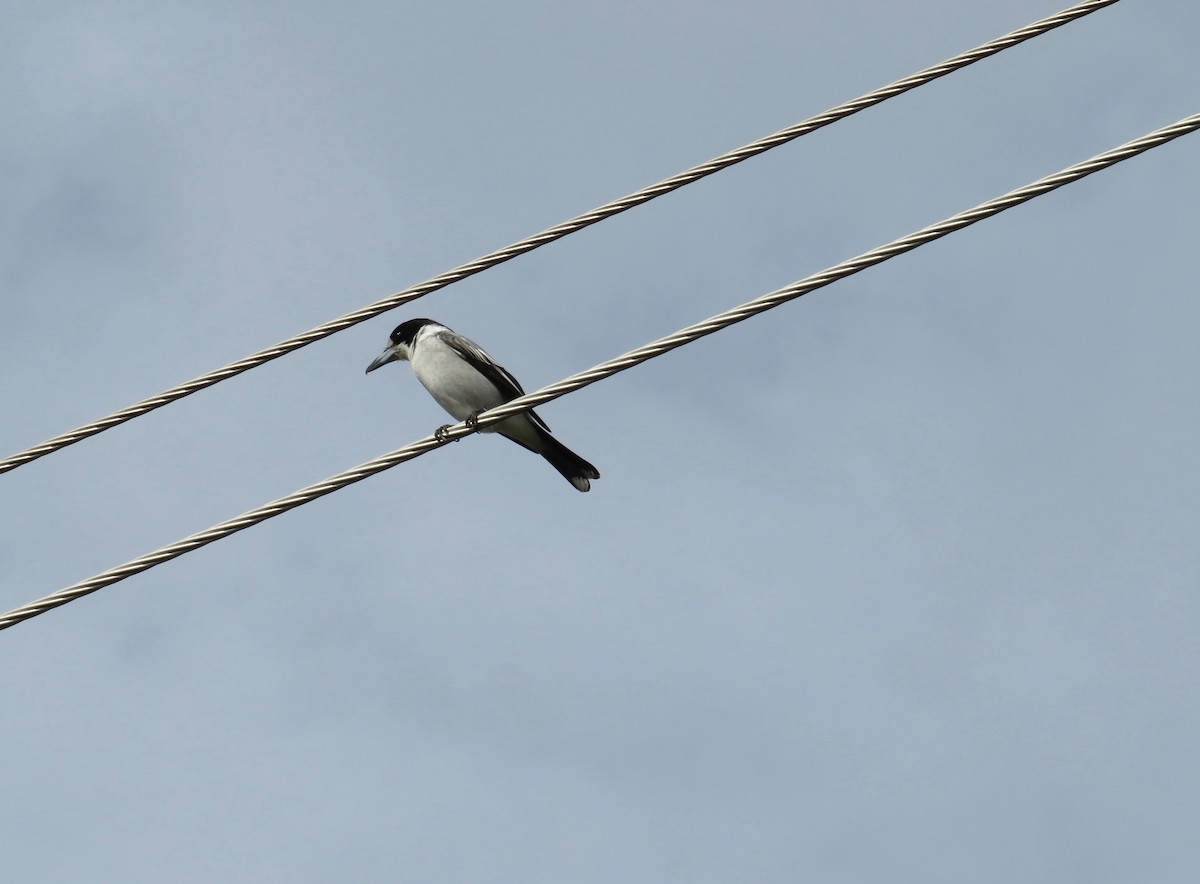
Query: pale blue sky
[897, 583]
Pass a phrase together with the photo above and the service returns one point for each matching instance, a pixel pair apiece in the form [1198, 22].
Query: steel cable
[1079, 10]
[609, 368]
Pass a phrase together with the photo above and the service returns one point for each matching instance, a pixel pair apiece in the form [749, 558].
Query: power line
[609, 368]
[1079, 10]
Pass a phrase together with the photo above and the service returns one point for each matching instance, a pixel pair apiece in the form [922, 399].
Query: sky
[897, 582]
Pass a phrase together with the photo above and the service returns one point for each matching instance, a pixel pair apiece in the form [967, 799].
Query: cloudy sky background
[898, 582]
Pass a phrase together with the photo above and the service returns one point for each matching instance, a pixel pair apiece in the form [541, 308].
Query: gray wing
[475, 356]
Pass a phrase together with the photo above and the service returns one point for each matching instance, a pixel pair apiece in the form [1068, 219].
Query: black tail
[576, 470]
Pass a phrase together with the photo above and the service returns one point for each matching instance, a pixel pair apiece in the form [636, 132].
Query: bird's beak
[388, 355]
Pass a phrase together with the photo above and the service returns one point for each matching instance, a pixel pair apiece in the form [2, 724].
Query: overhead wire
[606, 369]
[579, 222]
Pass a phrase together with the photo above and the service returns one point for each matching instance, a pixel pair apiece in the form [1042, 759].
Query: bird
[465, 380]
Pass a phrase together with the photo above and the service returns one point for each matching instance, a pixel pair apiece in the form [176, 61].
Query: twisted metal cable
[1079, 10]
[609, 368]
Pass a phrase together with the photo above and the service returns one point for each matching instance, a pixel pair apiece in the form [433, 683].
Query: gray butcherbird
[465, 381]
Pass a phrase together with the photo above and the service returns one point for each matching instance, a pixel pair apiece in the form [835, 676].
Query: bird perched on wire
[465, 381]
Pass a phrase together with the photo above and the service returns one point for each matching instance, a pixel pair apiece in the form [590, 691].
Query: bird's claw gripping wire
[442, 433]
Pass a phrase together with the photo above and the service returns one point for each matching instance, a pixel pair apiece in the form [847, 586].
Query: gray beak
[388, 355]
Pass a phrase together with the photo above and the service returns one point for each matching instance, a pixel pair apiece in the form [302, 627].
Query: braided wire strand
[556, 232]
[607, 369]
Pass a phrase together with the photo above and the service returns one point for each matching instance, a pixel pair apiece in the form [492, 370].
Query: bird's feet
[442, 433]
